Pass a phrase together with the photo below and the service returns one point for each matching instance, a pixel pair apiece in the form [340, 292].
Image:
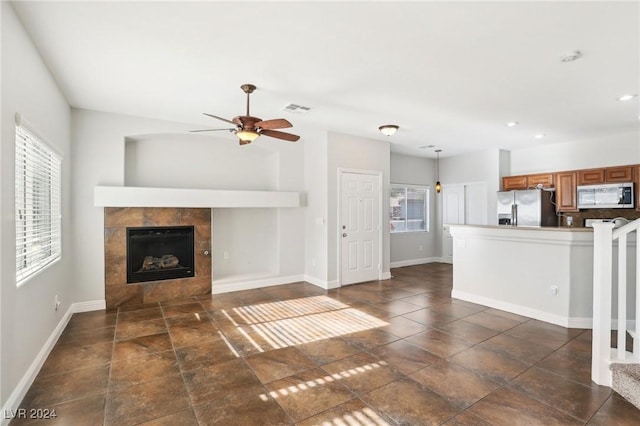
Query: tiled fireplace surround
[116, 220]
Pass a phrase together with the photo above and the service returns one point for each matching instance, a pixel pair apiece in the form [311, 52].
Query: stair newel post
[601, 339]
[622, 296]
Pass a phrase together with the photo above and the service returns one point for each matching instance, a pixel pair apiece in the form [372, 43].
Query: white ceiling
[451, 74]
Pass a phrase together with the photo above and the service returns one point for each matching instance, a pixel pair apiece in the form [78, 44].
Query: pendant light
[438, 185]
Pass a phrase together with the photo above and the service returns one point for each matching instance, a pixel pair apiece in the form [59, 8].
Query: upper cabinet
[527, 181]
[566, 194]
[605, 175]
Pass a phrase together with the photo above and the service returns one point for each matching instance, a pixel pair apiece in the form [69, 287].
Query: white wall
[405, 247]
[28, 317]
[614, 150]
[352, 152]
[101, 159]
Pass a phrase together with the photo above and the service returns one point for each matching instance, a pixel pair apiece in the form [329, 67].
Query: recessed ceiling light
[540, 136]
[626, 97]
[426, 146]
[512, 123]
[571, 56]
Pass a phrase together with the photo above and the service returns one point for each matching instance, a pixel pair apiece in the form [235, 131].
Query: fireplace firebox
[160, 253]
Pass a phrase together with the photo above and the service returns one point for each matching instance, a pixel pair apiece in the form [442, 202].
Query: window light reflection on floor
[298, 321]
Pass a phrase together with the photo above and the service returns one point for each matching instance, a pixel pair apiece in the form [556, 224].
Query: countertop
[528, 228]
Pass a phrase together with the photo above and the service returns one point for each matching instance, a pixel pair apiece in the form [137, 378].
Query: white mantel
[128, 196]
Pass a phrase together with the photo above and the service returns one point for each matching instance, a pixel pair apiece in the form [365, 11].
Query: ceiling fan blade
[219, 118]
[280, 135]
[211, 130]
[278, 123]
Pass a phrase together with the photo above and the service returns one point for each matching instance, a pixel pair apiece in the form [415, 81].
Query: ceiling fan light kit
[438, 184]
[388, 129]
[248, 128]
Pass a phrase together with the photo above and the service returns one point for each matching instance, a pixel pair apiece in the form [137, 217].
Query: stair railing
[603, 355]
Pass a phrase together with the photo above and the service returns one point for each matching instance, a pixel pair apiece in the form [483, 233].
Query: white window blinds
[37, 199]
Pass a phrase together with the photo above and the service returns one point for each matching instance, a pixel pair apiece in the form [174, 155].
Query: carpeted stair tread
[626, 381]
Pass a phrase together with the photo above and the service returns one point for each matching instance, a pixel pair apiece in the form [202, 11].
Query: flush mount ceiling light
[512, 124]
[625, 97]
[388, 129]
[438, 185]
[426, 146]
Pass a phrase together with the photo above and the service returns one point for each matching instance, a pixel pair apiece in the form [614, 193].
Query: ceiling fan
[248, 128]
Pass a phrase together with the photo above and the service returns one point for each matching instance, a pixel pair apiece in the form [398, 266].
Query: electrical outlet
[554, 290]
[225, 255]
[57, 302]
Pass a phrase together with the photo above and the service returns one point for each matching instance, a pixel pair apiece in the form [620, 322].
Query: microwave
[606, 196]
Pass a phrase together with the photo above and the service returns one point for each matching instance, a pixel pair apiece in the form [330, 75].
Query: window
[38, 198]
[408, 209]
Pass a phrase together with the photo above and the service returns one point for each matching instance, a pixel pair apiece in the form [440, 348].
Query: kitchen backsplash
[579, 217]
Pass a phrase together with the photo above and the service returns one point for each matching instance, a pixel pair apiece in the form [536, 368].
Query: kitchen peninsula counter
[539, 272]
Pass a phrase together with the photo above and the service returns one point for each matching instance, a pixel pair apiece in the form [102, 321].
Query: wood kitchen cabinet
[618, 174]
[527, 181]
[566, 183]
[605, 175]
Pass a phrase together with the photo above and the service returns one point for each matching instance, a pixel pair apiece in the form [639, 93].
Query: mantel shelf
[129, 196]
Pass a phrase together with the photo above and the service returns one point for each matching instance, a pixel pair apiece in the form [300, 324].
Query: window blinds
[38, 204]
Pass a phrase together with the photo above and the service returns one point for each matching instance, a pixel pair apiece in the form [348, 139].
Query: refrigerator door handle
[514, 214]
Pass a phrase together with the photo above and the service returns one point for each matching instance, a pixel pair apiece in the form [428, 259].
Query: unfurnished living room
[320, 213]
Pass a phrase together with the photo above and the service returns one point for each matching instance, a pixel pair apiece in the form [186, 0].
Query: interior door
[453, 212]
[359, 227]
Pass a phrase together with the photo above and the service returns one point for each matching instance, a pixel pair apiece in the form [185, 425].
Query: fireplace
[160, 253]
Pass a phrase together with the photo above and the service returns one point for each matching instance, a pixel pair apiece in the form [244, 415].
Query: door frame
[378, 173]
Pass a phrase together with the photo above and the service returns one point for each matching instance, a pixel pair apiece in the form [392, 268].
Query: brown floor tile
[467, 419]
[250, 406]
[56, 389]
[368, 339]
[569, 366]
[406, 402]
[403, 327]
[353, 412]
[616, 411]
[545, 334]
[146, 401]
[361, 373]
[397, 307]
[492, 365]
[204, 354]
[147, 314]
[182, 418]
[575, 399]
[429, 318]
[131, 329]
[216, 381]
[190, 335]
[279, 363]
[131, 371]
[328, 350]
[308, 393]
[467, 331]
[441, 344]
[456, 310]
[579, 347]
[508, 407]
[141, 346]
[182, 309]
[87, 337]
[492, 321]
[516, 348]
[66, 358]
[506, 314]
[404, 357]
[87, 321]
[85, 411]
[459, 386]
[422, 300]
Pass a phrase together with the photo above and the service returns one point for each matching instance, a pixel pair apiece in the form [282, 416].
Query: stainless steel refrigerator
[530, 207]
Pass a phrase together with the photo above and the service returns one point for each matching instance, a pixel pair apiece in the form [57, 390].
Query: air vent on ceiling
[296, 109]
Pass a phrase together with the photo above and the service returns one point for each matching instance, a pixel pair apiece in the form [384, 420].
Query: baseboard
[513, 308]
[385, 275]
[14, 400]
[412, 262]
[223, 286]
[327, 285]
[92, 305]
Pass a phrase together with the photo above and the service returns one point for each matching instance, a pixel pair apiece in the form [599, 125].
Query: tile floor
[400, 351]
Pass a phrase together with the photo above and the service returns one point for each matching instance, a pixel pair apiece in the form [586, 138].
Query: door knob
[344, 234]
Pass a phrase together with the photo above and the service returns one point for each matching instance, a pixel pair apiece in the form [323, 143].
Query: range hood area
[128, 196]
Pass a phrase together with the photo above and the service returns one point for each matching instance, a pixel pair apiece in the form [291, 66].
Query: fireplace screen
[159, 253]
